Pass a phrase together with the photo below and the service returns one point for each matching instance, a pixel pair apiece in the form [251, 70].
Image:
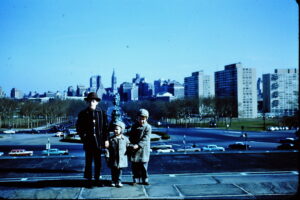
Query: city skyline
[48, 46]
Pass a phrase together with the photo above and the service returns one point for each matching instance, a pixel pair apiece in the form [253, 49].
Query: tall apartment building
[281, 92]
[81, 90]
[16, 94]
[97, 86]
[129, 92]
[173, 87]
[114, 88]
[239, 84]
[198, 85]
[2, 93]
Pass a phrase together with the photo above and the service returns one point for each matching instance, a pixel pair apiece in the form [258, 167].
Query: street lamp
[244, 135]
[48, 146]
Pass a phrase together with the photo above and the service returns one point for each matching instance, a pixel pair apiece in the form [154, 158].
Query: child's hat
[120, 124]
[143, 112]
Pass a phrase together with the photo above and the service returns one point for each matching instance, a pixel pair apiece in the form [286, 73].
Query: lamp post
[245, 136]
[48, 146]
[184, 142]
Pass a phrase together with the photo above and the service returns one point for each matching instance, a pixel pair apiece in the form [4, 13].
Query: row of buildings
[275, 93]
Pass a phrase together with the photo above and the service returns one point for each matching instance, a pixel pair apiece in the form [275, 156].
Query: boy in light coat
[139, 137]
[117, 160]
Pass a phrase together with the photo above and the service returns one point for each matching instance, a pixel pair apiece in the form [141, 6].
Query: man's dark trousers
[90, 156]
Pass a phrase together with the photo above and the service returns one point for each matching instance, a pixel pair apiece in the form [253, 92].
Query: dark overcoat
[92, 128]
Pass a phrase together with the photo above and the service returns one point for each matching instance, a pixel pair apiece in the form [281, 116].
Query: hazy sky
[52, 44]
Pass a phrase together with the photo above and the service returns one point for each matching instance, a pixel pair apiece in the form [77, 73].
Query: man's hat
[91, 96]
[120, 124]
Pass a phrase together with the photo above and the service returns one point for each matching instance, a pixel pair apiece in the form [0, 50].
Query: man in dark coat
[92, 128]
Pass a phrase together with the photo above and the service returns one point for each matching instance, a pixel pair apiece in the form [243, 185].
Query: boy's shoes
[133, 183]
[119, 185]
[116, 185]
[146, 183]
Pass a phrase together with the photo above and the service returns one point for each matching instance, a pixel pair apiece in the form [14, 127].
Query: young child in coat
[139, 137]
[117, 158]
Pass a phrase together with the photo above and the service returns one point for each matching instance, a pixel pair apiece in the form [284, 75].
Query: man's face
[93, 104]
[142, 120]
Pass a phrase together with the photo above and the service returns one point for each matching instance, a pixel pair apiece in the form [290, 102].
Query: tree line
[30, 114]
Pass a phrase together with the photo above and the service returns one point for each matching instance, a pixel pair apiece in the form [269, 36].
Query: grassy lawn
[249, 124]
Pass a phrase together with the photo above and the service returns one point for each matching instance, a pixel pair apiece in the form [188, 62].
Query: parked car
[212, 124]
[55, 152]
[59, 134]
[190, 149]
[239, 145]
[162, 146]
[20, 152]
[286, 146]
[287, 140]
[1, 153]
[213, 147]
[165, 150]
[10, 131]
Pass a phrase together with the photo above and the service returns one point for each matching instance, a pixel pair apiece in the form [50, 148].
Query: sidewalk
[247, 185]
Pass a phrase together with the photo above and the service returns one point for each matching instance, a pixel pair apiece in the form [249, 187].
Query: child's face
[117, 130]
[142, 120]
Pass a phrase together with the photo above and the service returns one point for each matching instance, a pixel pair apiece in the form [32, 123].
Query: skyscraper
[238, 84]
[2, 94]
[16, 94]
[198, 85]
[114, 83]
[97, 86]
[129, 92]
[281, 92]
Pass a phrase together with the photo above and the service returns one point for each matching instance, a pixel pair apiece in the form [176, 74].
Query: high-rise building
[114, 88]
[281, 92]
[80, 92]
[2, 94]
[198, 85]
[176, 89]
[238, 84]
[259, 95]
[145, 90]
[97, 86]
[71, 92]
[173, 87]
[16, 94]
[129, 92]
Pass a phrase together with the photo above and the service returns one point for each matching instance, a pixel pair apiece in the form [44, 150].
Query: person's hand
[106, 144]
[135, 146]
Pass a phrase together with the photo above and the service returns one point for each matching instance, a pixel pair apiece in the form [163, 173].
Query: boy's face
[142, 120]
[117, 130]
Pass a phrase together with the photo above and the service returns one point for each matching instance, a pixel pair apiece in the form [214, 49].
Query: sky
[50, 45]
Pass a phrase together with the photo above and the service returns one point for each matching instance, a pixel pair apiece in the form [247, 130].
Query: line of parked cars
[167, 148]
[277, 128]
[24, 152]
